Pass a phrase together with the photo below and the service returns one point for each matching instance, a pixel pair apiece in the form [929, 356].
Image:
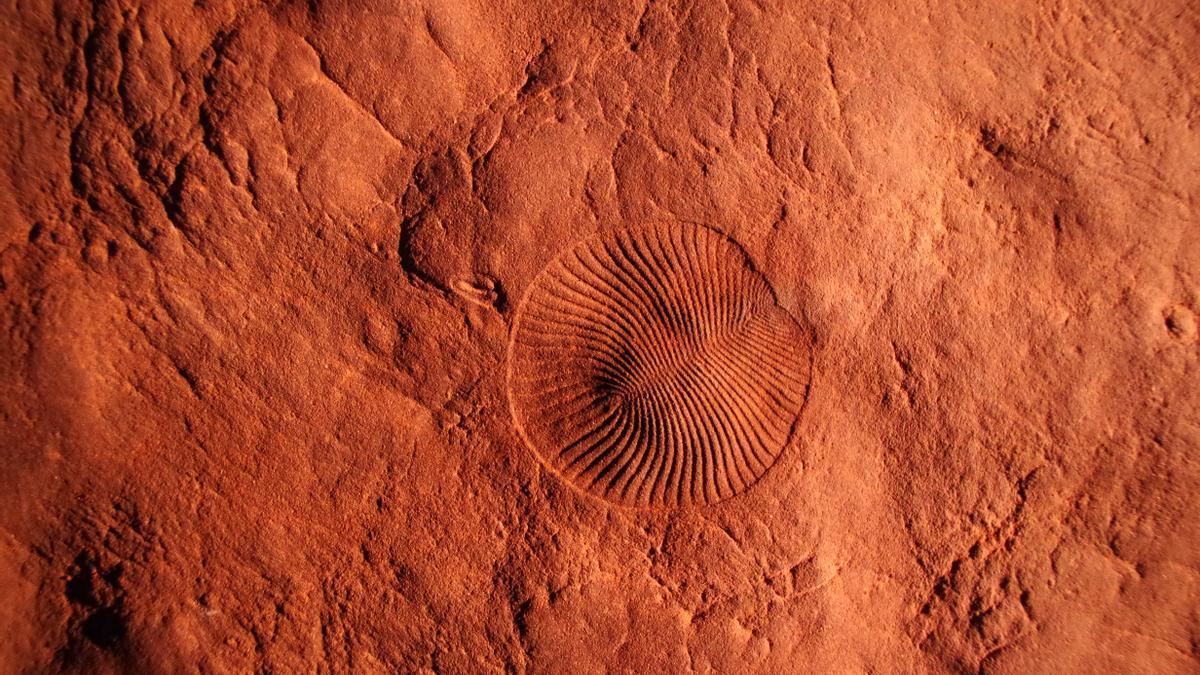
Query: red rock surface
[259, 266]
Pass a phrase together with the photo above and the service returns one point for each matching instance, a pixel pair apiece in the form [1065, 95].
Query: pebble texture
[262, 266]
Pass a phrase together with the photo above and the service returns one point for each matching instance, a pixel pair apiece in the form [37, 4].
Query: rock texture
[260, 265]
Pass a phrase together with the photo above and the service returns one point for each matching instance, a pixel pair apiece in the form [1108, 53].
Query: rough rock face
[259, 267]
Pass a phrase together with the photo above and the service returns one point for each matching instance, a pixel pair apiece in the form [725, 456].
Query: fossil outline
[655, 367]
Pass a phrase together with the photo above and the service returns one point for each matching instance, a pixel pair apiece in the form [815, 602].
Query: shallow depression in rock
[653, 367]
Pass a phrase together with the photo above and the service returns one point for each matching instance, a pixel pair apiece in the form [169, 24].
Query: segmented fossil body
[654, 367]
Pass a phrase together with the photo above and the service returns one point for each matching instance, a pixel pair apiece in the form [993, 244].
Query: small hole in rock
[105, 627]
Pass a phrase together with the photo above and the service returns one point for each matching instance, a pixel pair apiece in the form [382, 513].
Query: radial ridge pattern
[655, 368]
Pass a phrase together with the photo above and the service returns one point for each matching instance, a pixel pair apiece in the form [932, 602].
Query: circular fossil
[654, 367]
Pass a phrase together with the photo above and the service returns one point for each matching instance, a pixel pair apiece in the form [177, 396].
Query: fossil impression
[654, 367]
